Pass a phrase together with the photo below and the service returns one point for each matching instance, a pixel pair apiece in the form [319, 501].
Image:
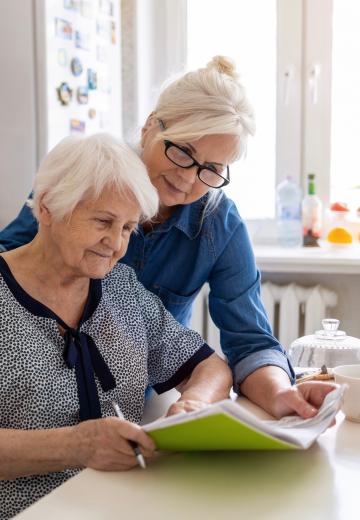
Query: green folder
[215, 432]
[227, 425]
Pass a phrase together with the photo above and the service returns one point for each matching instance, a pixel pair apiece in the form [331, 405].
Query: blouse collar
[80, 351]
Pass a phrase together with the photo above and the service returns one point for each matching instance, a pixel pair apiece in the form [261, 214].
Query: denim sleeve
[20, 231]
[236, 309]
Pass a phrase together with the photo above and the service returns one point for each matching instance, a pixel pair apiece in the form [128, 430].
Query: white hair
[207, 101]
[82, 167]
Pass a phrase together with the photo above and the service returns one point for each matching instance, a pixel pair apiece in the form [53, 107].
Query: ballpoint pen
[139, 456]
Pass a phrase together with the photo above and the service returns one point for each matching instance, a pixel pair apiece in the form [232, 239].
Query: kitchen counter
[275, 259]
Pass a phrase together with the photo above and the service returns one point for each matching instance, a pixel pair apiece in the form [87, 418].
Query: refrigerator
[60, 67]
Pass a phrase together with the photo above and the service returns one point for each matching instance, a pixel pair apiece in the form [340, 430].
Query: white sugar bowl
[330, 347]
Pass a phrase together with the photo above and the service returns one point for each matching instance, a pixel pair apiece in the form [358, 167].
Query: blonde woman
[199, 126]
[78, 331]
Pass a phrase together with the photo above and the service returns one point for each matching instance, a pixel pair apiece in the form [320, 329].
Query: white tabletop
[320, 483]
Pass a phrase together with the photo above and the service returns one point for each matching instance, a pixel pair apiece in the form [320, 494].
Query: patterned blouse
[125, 341]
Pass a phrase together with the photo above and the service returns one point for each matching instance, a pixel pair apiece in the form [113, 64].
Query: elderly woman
[199, 126]
[78, 331]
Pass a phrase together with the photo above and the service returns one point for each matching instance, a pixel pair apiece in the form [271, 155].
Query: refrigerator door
[79, 68]
[61, 75]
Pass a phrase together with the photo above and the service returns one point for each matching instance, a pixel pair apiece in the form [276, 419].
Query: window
[237, 31]
[345, 104]
[298, 61]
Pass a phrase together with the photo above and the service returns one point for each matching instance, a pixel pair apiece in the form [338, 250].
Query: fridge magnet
[77, 126]
[62, 57]
[92, 113]
[87, 8]
[113, 32]
[76, 66]
[82, 95]
[74, 5]
[63, 29]
[82, 41]
[64, 93]
[106, 7]
[92, 79]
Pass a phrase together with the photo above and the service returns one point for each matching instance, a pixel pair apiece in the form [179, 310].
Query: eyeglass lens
[181, 158]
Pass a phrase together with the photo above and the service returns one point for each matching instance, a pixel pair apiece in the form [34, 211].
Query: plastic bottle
[288, 198]
[339, 233]
[311, 214]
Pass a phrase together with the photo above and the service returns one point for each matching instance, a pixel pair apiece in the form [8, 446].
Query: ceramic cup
[350, 375]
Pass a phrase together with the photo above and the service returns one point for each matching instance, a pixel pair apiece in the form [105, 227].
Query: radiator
[293, 311]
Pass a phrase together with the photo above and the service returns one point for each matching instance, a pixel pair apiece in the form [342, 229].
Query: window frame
[303, 129]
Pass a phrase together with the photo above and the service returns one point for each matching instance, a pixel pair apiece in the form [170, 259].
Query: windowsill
[275, 259]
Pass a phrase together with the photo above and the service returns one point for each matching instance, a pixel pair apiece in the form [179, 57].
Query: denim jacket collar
[187, 218]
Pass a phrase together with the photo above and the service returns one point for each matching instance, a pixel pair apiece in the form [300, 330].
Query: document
[227, 425]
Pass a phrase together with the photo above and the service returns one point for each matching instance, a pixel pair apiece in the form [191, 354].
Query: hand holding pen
[139, 456]
[108, 444]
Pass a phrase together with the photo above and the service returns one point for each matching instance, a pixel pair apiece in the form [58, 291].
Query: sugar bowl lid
[328, 346]
[330, 330]
[329, 337]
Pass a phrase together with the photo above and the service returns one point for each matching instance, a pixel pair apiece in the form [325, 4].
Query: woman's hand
[270, 388]
[187, 405]
[303, 399]
[103, 444]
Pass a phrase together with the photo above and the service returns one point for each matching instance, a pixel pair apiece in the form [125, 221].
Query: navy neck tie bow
[81, 353]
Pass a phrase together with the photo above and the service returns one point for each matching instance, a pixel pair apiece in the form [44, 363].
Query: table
[320, 483]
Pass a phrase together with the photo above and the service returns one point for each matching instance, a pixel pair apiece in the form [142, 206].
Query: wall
[18, 106]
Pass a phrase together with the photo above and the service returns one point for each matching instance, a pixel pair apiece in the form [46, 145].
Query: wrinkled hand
[103, 444]
[185, 406]
[303, 399]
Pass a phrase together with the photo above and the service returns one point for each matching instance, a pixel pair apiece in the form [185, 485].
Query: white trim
[176, 35]
[161, 48]
[317, 117]
[289, 89]
[40, 79]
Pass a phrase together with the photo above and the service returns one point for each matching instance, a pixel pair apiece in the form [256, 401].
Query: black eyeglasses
[207, 173]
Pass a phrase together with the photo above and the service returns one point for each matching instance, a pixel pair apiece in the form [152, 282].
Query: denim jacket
[177, 257]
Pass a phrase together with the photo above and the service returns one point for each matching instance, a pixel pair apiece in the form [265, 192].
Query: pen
[139, 456]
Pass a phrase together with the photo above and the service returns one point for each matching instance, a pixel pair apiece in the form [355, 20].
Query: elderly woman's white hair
[82, 167]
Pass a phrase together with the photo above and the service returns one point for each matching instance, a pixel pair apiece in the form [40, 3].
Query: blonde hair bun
[223, 65]
[207, 101]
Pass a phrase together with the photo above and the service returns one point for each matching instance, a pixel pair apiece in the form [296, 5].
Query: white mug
[350, 375]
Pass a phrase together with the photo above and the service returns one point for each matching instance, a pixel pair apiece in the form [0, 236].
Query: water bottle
[289, 226]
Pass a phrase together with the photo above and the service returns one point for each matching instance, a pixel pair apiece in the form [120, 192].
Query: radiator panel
[292, 310]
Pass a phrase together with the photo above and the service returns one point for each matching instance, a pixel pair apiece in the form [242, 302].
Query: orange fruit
[339, 235]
